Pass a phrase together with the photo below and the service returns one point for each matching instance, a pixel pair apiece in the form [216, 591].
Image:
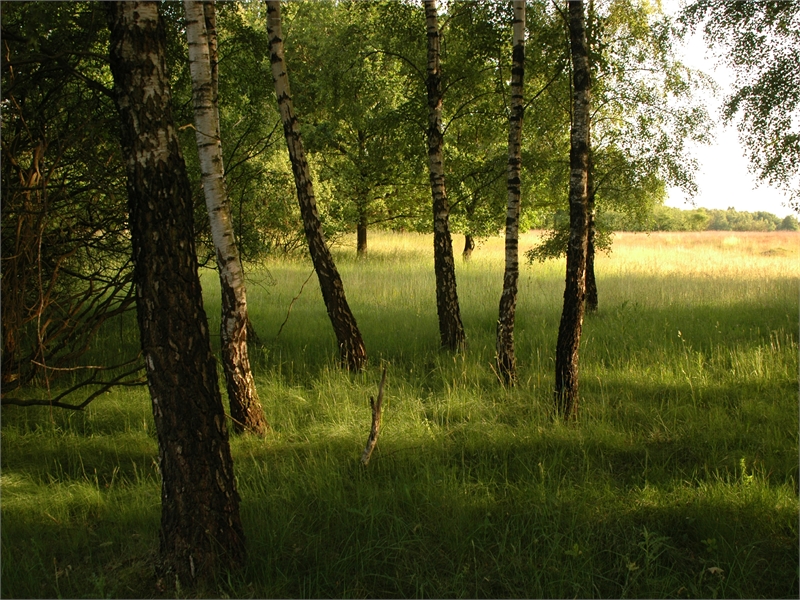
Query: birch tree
[245, 406]
[646, 108]
[451, 330]
[506, 361]
[201, 531]
[352, 352]
[569, 330]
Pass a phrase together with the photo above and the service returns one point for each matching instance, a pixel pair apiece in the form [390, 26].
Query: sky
[723, 178]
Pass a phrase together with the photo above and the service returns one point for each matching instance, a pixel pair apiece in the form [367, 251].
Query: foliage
[789, 223]
[476, 68]
[478, 152]
[760, 41]
[66, 265]
[645, 111]
[257, 171]
[353, 98]
[646, 106]
[666, 218]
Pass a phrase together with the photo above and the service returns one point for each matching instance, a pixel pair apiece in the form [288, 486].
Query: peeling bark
[569, 331]
[506, 360]
[451, 330]
[352, 352]
[245, 406]
[201, 531]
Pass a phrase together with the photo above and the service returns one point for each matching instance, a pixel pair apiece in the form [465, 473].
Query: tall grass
[680, 478]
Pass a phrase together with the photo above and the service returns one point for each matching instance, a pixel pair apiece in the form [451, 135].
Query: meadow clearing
[680, 478]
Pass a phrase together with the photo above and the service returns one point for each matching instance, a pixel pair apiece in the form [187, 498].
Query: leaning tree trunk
[451, 330]
[351, 346]
[245, 407]
[506, 361]
[591, 282]
[201, 532]
[569, 331]
[210, 13]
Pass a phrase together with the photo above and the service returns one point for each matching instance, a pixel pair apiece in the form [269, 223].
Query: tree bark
[469, 246]
[591, 282]
[245, 406]
[361, 229]
[351, 346]
[569, 331]
[506, 360]
[362, 199]
[451, 330]
[210, 17]
[201, 532]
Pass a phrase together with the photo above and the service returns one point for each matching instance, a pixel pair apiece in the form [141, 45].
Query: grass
[679, 480]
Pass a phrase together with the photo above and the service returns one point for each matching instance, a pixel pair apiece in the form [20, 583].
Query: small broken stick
[376, 422]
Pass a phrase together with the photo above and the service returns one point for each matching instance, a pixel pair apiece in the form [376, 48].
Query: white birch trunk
[451, 329]
[245, 407]
[506, 360]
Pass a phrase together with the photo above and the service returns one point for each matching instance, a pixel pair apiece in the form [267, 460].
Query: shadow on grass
[480, 510]
[533, 519]
[667, 486]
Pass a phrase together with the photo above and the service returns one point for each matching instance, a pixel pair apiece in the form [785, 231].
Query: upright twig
[372, 441]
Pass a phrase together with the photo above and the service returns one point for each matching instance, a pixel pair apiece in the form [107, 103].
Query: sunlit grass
[680, 478]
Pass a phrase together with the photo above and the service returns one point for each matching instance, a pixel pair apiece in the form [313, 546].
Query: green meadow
[679, 479]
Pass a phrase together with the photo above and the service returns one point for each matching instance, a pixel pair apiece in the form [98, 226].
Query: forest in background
[668, 218]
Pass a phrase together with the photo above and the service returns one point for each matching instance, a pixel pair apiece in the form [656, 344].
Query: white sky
[723, 178]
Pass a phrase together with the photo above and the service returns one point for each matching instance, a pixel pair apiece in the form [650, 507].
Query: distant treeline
[667, 218]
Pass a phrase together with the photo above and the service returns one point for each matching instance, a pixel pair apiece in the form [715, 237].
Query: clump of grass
[680, 479]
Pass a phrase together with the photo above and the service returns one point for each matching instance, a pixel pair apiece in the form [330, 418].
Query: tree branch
[106, 385]
[372, 441]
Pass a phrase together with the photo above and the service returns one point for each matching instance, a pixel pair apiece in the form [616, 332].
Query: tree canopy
[760, 41]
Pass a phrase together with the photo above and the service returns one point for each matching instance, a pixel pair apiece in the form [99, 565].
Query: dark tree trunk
[362, 201]
[469, 246]
[569, 331]
[351, 346]
[451, 330]
[201, 532]
[591, 283]
[361, 231]
[506, 360]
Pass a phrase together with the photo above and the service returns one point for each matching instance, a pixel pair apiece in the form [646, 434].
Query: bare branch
[372, 441]
[105, 386]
